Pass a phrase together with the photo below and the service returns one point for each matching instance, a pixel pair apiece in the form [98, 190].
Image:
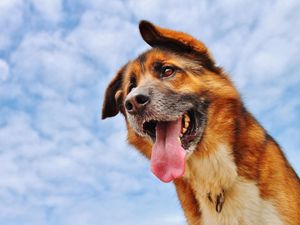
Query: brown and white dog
[185, 115]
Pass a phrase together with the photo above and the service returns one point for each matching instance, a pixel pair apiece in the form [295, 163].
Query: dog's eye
[132, 83]
[167, 71]
[131, 86]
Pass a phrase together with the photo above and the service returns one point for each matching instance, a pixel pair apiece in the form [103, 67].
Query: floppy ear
[156, 36]
[178, 41]
[113, 96]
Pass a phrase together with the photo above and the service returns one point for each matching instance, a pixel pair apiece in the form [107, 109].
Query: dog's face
[157, 89]
[164, 96]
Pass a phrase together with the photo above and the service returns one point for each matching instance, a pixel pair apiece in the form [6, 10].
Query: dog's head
[164, 95]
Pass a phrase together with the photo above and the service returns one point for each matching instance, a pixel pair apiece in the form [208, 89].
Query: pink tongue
[168, 157]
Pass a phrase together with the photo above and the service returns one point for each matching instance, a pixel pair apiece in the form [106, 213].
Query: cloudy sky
[59, 163]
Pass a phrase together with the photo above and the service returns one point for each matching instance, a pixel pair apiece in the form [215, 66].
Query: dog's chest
[224, 197]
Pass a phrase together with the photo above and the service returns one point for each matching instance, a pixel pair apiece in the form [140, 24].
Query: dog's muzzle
[149, 105]
[137, 100]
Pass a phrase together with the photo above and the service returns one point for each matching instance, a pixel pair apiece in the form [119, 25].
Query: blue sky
[59, 163]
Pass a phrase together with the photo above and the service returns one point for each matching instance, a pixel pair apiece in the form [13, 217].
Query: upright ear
[156, 36]
[113, 96]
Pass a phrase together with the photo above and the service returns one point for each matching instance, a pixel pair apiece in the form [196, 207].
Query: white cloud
[108, 39]
[59, 173]
[50, 10]
[51, 61]
[4, 70]
[11, 20]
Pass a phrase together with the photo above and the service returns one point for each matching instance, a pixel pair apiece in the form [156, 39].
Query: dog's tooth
[187, 118]
[180, 135]
[179, 140]
[184, 130]
[186, 124]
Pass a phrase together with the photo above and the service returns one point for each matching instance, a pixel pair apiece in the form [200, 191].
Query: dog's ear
[160, 37]
[178, 41]
[112, 103]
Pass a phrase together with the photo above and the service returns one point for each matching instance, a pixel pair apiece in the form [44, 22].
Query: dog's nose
[136, 103]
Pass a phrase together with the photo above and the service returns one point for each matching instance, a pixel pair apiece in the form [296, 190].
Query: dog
[184, 114]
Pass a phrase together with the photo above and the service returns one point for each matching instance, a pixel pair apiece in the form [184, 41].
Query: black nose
[136, 103]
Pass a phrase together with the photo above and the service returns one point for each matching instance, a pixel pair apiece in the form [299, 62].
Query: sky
[60, 164]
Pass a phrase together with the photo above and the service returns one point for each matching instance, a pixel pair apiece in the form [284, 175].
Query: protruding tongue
[168, 157]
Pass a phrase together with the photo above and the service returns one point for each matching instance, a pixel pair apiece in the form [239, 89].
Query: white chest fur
[215, 173]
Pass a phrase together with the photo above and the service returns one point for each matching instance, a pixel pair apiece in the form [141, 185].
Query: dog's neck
[211, 169]
[223, 194]
[207, 178]
[211, 174]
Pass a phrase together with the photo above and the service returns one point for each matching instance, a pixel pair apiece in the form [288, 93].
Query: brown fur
[256, 159]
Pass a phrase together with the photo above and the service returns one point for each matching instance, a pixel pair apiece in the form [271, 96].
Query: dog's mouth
[173, 139]
[191, 129]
